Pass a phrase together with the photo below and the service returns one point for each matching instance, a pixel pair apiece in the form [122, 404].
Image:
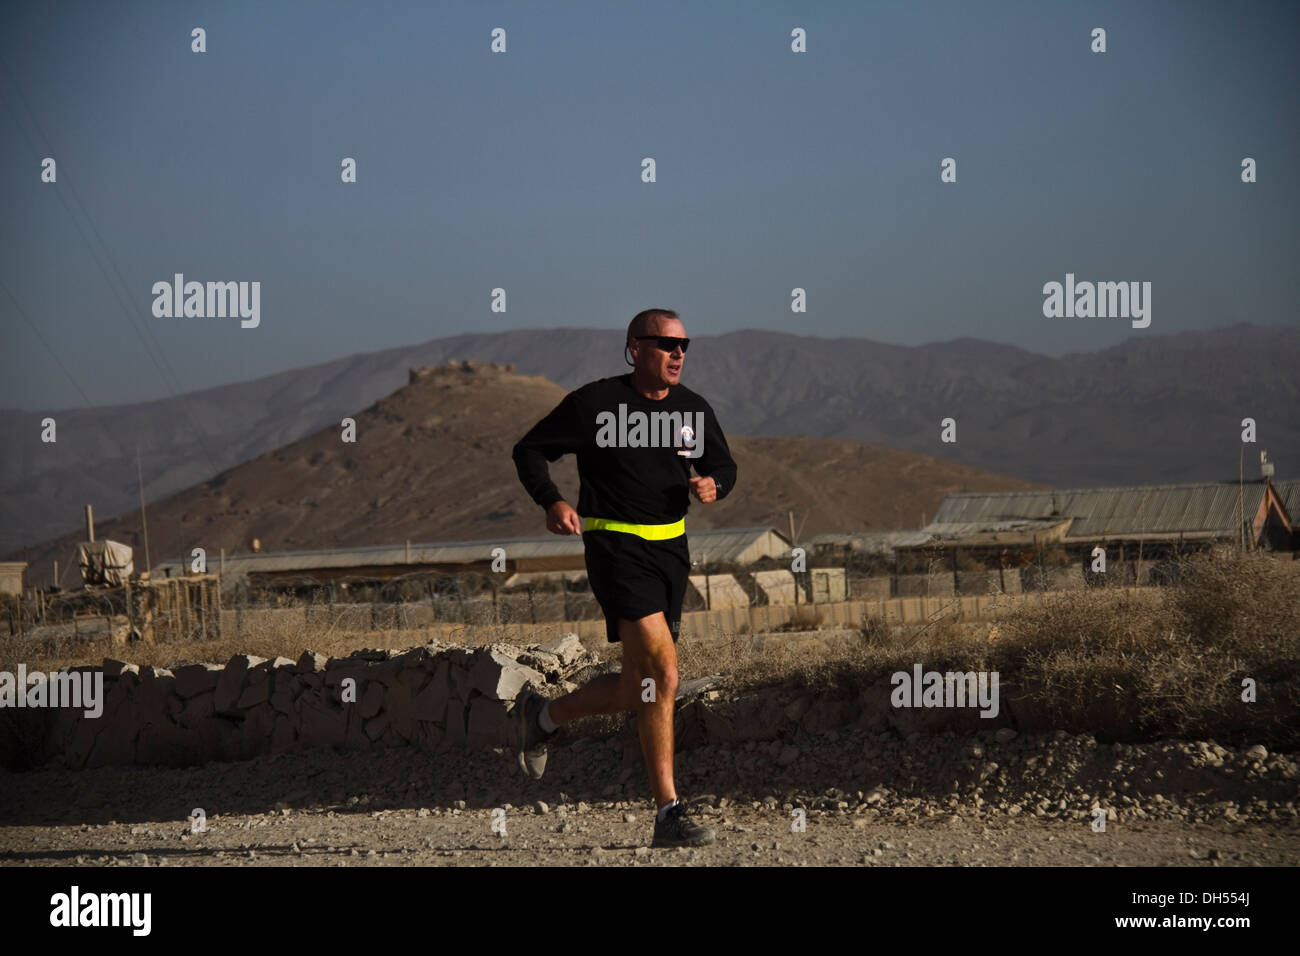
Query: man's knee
[649, 653]
[663, 671]
[661, 675]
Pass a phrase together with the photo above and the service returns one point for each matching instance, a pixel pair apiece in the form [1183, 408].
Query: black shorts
[633, 578]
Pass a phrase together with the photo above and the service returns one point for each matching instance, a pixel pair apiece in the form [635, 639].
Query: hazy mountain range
[431, 462]
[1155, 409]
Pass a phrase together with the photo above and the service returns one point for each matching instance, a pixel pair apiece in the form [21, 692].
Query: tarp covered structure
[104, 563]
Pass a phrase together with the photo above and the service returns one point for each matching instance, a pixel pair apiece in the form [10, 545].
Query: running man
[636, 437]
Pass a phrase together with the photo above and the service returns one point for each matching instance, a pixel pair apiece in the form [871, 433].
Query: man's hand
[705, 489]
[562, 519]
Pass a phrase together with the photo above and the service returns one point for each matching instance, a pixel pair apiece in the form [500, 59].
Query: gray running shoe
[677, 829]
[531, 738]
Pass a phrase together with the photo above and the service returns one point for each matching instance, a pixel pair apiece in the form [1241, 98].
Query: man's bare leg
[648, 651]
[605, 694]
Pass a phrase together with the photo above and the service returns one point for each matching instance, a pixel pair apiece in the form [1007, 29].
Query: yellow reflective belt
[651, 532]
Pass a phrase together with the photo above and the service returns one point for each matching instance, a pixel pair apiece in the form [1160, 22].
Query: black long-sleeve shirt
[642, 485]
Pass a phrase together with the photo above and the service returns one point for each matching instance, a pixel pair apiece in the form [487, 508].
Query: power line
[37, 332]
[72, 214]
[144, 334]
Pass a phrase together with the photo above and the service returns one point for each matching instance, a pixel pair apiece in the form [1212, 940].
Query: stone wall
[435, 697]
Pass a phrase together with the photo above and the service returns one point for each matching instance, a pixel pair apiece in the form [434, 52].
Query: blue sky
[522, 170]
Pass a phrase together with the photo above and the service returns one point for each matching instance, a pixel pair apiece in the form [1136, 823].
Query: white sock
[544, 718]
[664, 809]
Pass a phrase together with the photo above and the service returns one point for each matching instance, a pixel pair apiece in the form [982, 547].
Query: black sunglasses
[666, 342]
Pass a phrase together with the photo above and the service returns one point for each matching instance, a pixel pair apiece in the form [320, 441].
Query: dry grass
[1175, 666]
[1094, 660]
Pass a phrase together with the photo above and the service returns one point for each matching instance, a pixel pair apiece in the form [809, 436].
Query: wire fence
[425, 597]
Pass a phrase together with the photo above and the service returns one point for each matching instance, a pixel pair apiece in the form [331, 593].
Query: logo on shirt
[684, 430]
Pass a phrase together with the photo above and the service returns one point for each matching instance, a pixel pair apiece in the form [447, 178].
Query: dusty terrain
[870, 799]
[398, 482]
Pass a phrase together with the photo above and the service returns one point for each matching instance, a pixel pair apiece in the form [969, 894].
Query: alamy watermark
[638, 429]
[75, 908]
[218, 300]
[1100, 300]
[953, 689]
[57, 689]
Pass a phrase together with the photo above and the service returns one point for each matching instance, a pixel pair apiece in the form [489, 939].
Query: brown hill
[1158, 408]
[432, 462]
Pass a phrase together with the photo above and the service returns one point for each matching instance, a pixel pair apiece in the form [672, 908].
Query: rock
[321, 725]
[157, 687]
[642, 851]
[283, 736]
[195, 679]
[414, 679]
[282, 697]
[431, 702]
[113, 668]
[695, 686]
[399, 702]
[231, 683]
[311, 663]
[372, 699]
[547, 664]
[253, 695]
[1005, 735]
[489, 724]
[258, 673]
[162, 742]
[1257, 752]
[567, 647]
[256, 730]
[541, 807]
[500, 677]
[196, 709]
[454, 721]
[376, 726]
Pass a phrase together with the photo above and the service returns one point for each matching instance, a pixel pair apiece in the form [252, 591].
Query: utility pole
[792, 545]
[1241, 503]
[143, 523]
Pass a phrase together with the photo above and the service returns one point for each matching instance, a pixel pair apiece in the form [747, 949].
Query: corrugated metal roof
[1204, 508]
[961, 529]
[720, 544]
[729, 544]
[872, 542]
[1289, 492]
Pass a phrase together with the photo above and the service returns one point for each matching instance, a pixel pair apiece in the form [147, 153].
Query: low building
[11, 577]
[1154, 520]
[522, 559]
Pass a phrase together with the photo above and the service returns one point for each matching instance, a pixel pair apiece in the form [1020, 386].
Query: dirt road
[876, 800]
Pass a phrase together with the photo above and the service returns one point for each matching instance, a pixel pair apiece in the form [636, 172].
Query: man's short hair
[640, 324]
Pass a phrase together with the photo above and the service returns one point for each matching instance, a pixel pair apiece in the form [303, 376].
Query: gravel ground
[869, 799]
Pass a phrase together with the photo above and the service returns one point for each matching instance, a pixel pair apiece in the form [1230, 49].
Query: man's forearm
[535, 475]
